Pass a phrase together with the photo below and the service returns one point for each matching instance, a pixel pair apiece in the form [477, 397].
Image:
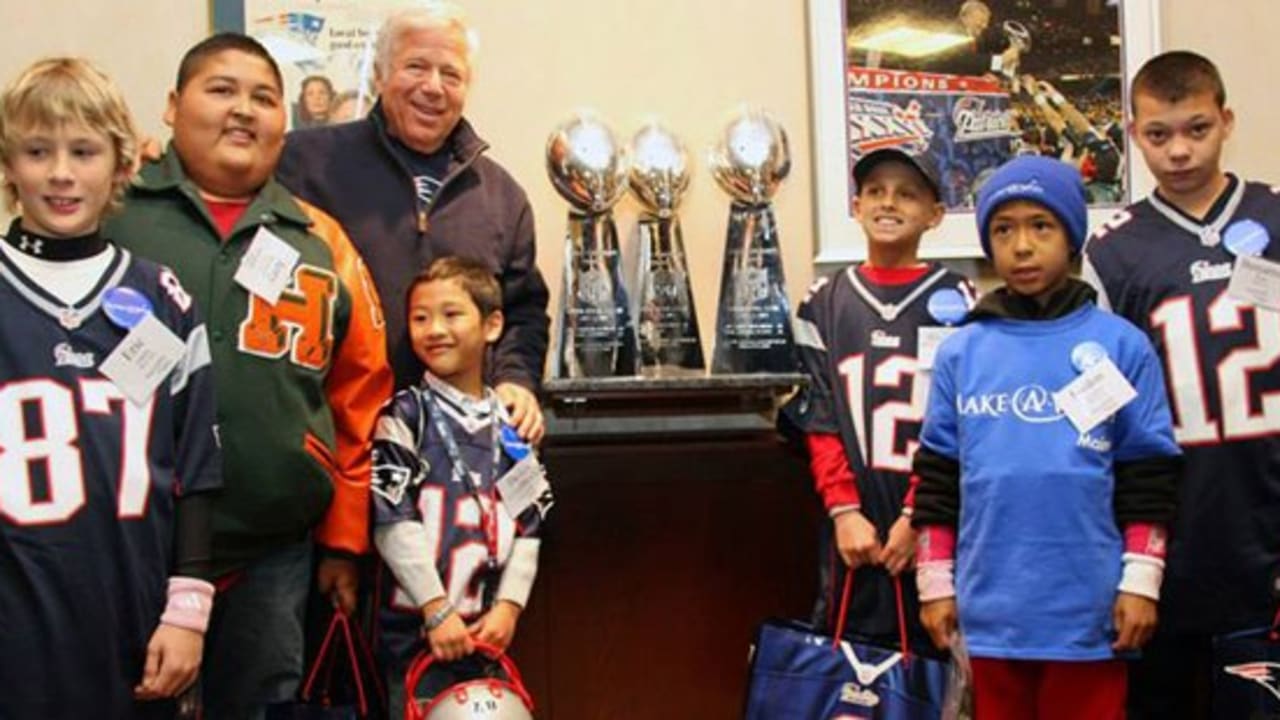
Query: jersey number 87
[55, 445]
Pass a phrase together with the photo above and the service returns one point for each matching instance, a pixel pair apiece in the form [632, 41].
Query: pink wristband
[1145, 539]
[936, 580]
[190, 603]
[935, 542]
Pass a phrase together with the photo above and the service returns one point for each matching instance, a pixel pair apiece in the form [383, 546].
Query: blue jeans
[254, 648]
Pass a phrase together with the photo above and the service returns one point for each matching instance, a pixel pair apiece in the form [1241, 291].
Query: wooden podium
[681, 522]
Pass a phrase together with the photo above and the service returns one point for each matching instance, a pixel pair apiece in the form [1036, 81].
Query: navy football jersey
[414, 480]
[1168, 275]
[858, 341]
[88, 482]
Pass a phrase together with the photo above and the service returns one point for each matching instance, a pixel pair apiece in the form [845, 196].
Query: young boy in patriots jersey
[1166, 264]
[458, 498]
[1042, 518]
[105, 481]
[865, 334]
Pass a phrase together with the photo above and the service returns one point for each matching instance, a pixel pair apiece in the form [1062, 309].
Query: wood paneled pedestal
[665, 551]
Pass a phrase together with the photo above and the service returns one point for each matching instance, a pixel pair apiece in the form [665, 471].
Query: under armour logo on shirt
[31, 245]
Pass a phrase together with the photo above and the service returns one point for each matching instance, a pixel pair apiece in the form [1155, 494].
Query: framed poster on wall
[324, 49]
[973, 83]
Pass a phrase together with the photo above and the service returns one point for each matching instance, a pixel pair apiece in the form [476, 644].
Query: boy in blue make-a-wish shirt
[1047, 469]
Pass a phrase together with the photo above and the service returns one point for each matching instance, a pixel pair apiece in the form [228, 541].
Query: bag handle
[904, 647]
[327, 648]
[423, 662]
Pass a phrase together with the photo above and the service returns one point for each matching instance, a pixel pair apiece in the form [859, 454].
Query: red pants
[1036, 690]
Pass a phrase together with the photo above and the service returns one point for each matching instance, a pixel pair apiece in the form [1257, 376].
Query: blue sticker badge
[518, 449]
[1087, 354]
[1246, 237]
[125, 307]
[948, 306]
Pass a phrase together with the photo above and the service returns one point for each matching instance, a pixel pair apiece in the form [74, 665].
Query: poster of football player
[973, 83]
[324, 49]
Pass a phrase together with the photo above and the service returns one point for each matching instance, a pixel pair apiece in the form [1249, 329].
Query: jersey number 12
[1240, 418]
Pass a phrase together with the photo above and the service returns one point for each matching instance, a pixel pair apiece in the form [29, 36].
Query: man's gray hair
[431, 14]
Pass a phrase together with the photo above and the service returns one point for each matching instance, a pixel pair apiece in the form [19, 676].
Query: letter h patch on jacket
[300, 323]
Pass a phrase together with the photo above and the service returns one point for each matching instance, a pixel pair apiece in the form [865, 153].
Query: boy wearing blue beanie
[1047, 469]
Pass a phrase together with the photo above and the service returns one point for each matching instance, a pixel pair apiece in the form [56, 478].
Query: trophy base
[753, 322]
[657, 372]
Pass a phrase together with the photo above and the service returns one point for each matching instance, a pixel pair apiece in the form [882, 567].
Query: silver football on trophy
[751, 157]
[659, 169]
[586, 164]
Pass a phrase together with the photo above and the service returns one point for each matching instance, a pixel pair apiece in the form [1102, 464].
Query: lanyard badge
[482, 491]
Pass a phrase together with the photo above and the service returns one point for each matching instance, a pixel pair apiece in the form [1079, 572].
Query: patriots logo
[1263, 673]
[390, 481]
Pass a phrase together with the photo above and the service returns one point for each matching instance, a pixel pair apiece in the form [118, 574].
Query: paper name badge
[1095, 396]
[1256, 281]
[523, 484]
[928, 339]
[267, 266]
[143, 359]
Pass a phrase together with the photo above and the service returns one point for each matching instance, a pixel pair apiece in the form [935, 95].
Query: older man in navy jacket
[410, 183]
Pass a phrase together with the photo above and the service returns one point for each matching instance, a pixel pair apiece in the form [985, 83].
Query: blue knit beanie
[1045, 181]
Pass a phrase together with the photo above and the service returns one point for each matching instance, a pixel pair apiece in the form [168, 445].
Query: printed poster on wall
[976, 82]
[324, 49]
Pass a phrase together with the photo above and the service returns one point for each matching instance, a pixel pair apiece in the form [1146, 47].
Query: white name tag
[143, 359]
[1095, 396]
[266, 267]
[928, 338]
[1256, 281]
[523, 484]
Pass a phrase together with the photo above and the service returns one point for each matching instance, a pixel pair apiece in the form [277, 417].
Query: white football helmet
[479, 699]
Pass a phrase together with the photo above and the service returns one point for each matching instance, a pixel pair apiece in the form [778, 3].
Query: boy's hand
[498, 626]
[900, 551]
[1135, 619]
[450, 640]
[856, 539]
[338, 578]
[173, 659]
[526, 415]
[939, 618]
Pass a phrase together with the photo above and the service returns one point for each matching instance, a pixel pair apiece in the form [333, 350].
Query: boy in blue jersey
[105, 480]
[1047, 469]
[863, 335]
[458, 498]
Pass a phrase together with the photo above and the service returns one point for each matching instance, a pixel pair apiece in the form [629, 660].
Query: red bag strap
[902, 614]
[423, 662]
[844, 608]
[327, 647]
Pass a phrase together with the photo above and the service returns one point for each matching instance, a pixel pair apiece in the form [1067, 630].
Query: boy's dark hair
[215, 44]
[477, 280]
[1175, 76]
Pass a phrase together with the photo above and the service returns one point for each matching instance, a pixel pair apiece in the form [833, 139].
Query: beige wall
[1240, 37]
[687, 62]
